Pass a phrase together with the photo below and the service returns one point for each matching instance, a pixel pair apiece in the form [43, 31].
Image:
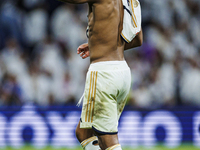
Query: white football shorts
[106, 90]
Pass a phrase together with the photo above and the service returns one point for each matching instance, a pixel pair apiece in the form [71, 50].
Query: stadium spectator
[36, 25]
[10, 91]
[10, 23]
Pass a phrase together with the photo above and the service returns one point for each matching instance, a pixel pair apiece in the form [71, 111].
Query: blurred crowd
[39, 63]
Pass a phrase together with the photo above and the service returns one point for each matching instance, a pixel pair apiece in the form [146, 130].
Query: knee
[78, 134]
[83, 134]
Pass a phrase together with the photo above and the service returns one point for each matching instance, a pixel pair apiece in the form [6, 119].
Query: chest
[102, 10]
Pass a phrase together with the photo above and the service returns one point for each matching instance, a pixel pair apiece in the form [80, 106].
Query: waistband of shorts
[109, 65]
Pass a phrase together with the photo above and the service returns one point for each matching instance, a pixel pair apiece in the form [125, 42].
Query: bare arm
[137, 41]
[77, 1]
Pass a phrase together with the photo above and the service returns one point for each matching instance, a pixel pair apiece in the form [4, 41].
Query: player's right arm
[137, 41]
[83, 50]
[78, 1]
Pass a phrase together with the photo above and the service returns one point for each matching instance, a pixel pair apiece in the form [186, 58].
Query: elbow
[140, 38]
[140, 41]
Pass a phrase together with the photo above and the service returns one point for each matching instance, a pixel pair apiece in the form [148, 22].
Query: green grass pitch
[183, 147]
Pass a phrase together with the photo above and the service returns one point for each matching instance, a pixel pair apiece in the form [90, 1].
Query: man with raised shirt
[108, 78]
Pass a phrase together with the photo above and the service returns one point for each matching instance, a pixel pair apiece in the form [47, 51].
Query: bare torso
[105, 21]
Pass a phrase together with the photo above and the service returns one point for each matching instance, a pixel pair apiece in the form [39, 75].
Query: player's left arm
[78, 1]
[137, 41]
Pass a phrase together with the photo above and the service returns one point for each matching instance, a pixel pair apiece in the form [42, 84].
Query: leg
[86, 138]
[105, 97]
[106, 140]
[83, 134]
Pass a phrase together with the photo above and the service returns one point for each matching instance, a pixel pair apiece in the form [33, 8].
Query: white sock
[89, 145]
[115, 147]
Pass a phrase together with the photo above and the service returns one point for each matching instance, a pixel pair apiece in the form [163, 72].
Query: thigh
[111, 95]
[89, 99]
[99, 109]
[104, 100]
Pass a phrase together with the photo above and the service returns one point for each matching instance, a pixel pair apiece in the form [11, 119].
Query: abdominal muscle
[105, 25]
[105, 53]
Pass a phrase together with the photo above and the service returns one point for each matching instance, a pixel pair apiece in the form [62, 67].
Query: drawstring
[80, 100]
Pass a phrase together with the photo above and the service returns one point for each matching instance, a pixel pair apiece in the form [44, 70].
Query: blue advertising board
[55, 126]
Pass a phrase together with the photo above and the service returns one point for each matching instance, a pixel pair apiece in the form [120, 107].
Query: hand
[83, 50]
